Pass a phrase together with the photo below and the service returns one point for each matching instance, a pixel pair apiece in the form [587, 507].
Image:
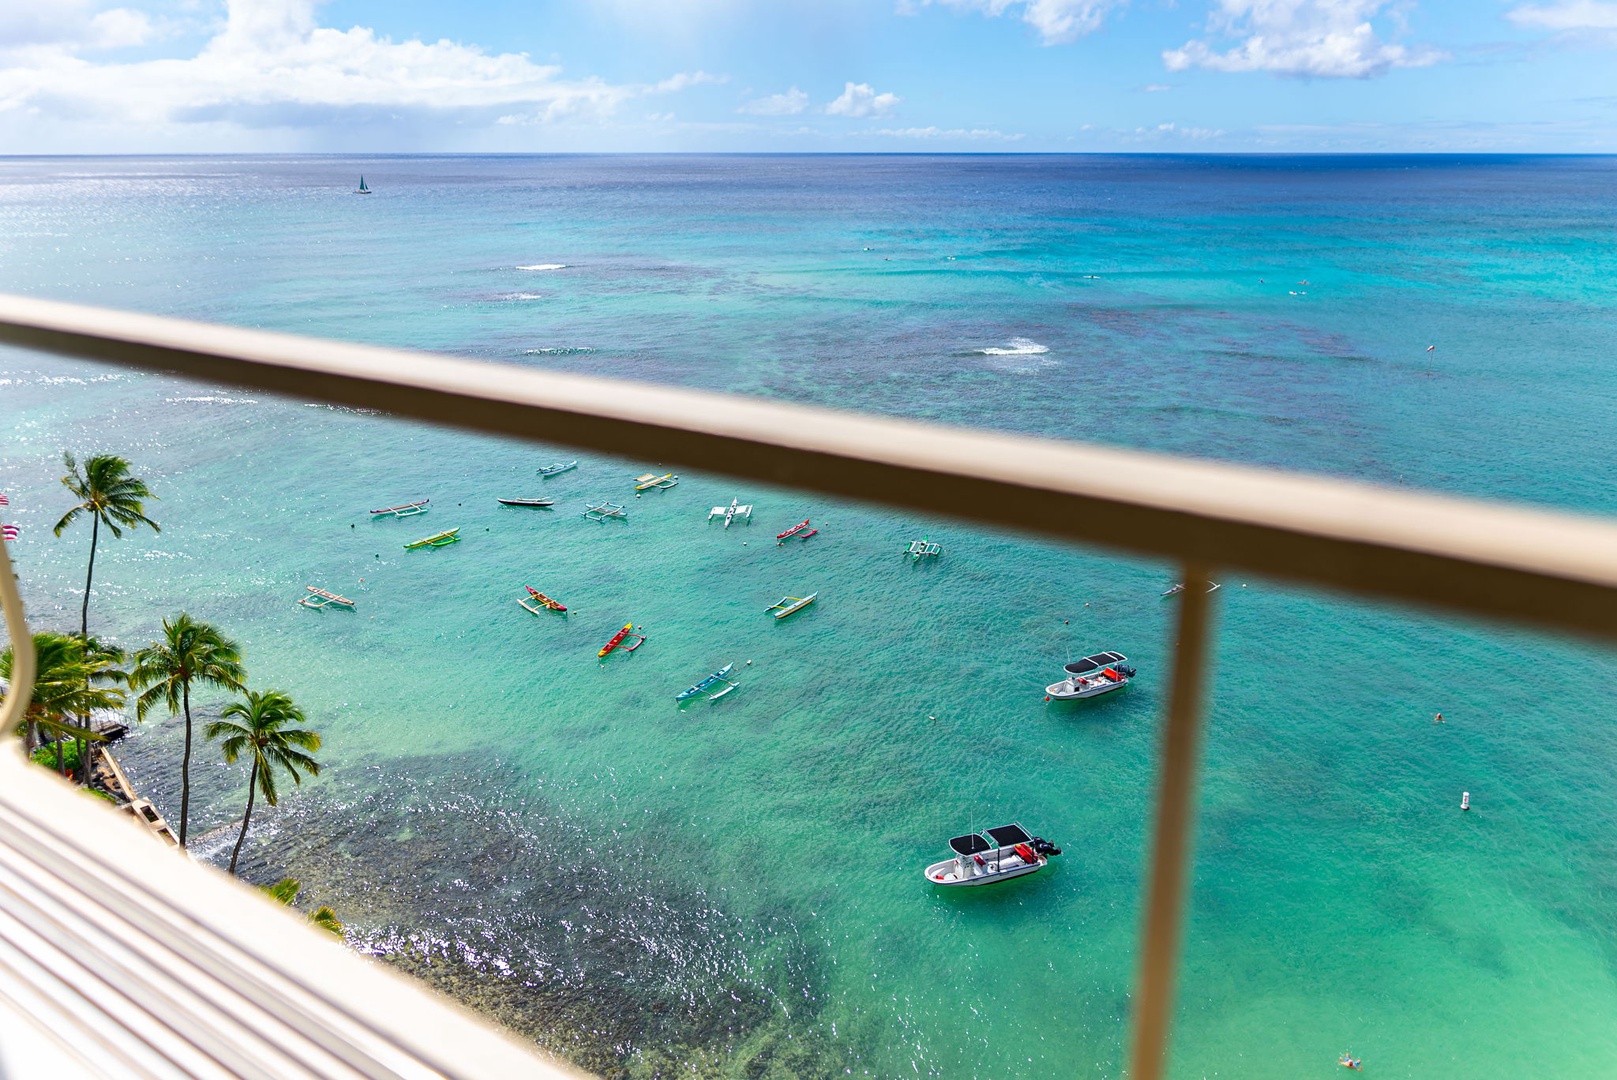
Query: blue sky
[89, 76]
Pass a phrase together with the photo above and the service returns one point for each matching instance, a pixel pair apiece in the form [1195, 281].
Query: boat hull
[1074, 690]
[945, 874]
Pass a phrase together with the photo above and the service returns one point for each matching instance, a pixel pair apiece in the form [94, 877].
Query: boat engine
[1044, 847]
[1126, 672]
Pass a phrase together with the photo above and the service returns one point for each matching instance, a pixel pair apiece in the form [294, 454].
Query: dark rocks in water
[572, 937]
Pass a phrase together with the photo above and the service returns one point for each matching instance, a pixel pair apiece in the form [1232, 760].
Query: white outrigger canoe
[1092, 676]
[992, 855]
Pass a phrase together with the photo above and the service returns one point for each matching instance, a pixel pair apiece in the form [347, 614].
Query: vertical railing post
[1160, 931]
[21, 689]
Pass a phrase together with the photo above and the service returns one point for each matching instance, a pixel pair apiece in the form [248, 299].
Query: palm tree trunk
[252, 789]
[95, 535]
[185, 767]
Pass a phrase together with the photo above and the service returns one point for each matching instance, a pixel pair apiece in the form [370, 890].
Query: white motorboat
[1092, 676]
[993, 855]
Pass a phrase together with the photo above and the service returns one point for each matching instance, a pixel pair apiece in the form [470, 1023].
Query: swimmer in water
[1348, 1061]
[1438, 719]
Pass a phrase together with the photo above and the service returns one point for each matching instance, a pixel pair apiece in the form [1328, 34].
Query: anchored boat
[790, 605]
[620, 638]
[801, 530]
[1179, 587]
[403, 510]
[702, 687]
[923, 549]
[994, 855]
[602, 511]
[651, 480]
[731, 512]
[1092, 676]
[320, 599]
[526, 502]
[558, 467]
[537, 602]
[443, 539]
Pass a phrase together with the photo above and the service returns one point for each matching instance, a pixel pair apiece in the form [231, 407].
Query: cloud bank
[1333, 39]
[272, 65]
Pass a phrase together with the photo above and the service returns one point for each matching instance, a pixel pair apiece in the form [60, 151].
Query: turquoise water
[733, 887]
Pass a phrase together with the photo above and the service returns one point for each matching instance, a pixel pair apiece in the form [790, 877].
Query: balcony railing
[1551, 570]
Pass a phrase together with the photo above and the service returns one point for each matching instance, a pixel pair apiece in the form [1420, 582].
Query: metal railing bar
[1177, 765]
[1555, 570]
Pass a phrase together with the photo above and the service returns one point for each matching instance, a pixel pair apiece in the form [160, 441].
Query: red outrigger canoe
[620, 637]
[801, 530]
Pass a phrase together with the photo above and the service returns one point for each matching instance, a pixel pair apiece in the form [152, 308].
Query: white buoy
[1465, 800]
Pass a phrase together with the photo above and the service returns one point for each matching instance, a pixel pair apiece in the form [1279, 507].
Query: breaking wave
[1017, 346]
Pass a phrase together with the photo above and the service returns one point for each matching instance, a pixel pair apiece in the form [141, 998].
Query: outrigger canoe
[449, 536]
[526, 502]
[801, 530]
[320, 599]
[537, 601]
[790, 605]
[702, 687]
[403, 509]
[620, 637]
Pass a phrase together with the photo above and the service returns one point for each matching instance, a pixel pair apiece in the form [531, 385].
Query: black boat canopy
[970, 844]
[1010, 835]
[1095, 662]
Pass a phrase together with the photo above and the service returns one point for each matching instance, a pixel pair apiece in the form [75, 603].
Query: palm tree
[64, 686]
[189, 652]
[286, 891]
[263, 733]
[111, 497]
[107, 661]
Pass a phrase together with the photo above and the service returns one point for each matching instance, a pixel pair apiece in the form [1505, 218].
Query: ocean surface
[732, 888]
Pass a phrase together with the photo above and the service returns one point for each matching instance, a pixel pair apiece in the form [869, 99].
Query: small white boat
[558, 467]
[790, 604]
[1092, 676]
[731, 512]
[993, 855]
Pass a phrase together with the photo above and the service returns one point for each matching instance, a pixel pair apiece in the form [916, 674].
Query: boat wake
[559, 350]
[1017, 346]
[512, 296]
[544, 266]
[1018, 356]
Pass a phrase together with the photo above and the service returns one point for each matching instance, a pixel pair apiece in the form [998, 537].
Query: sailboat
[362, 189]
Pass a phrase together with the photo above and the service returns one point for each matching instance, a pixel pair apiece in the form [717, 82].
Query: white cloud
[1567, 15]
[69, 25]
[272, 66]
[858, 99]
[1157, 88]
[944, 133]
[790, 103]
[1323, 38]
[1057, 21]
[684, 80]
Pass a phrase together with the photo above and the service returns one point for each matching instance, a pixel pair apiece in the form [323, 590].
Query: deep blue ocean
[733, 888]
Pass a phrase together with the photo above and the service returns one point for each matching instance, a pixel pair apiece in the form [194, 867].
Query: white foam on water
[1017, 346]
[559, 350]
[212, 400]
[544, 266]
